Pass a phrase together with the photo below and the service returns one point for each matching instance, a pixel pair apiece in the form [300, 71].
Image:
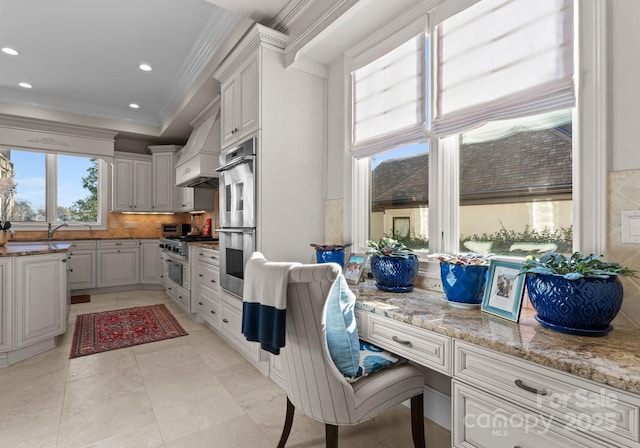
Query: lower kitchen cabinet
[40, 297]
[82, 265]
[118, 262]
[150, 262]
[6, 295]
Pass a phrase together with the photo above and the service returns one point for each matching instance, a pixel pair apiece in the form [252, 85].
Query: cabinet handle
[400, 341]
[199, 275]
[200, 303]
[213, 312]
[225, 321]
[533, 390]
[70, 270]
[213, 281]
[64, 260]
[118, 244]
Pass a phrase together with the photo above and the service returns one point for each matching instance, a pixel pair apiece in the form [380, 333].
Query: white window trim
[590, 135]
[51, 168]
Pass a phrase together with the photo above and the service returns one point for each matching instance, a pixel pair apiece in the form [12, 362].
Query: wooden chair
[313, 383]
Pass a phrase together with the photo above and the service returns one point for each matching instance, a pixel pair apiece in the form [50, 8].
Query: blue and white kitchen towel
[264, 302]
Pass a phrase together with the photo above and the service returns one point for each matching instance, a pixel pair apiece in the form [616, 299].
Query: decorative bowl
[395, 274]
[585, 306]
[463, 284]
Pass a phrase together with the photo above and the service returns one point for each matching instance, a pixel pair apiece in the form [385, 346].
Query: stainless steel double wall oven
[237, 213]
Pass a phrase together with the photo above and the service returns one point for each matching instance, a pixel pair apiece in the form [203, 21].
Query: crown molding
[289, 14]
[33, 124]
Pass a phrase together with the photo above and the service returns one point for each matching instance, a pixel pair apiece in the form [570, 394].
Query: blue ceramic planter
[394, 274]
[463, 284]
[585, 306]
[330, 256]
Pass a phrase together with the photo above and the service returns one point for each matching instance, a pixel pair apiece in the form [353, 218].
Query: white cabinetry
[240, 98]
[40, 297]
[164, 191]
[131, 183]
[192, 199]
[82, 265]
[118, 262]
[501, 401]
[282, 109]
[206, 286]
[6, 298]
[150, 262]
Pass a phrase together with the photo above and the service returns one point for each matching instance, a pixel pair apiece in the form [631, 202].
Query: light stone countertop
[13, 249]
[613, 359]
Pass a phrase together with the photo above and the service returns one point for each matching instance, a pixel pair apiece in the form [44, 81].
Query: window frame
[590, 166]
[51, 194]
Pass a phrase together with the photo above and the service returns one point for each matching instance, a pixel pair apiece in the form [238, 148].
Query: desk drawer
[579, 404]
[421, 346]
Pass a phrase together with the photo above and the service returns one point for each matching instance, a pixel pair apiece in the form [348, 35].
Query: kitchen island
[34, 299]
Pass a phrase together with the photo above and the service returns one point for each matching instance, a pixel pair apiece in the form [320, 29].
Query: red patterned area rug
[110, 330]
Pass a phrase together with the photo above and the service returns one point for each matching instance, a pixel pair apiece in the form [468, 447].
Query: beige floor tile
[82, 426]
[29, 426]
[147, 436]
[92, 365]
[191, 413]
[170, 385]
[245, 379]
[103, 386]
[239, 432]
[167, 358]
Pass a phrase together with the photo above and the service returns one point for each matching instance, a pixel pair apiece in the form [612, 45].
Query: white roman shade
[503, 59]
[389, 100]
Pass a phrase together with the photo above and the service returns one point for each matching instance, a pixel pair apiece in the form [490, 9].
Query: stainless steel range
[178, 246]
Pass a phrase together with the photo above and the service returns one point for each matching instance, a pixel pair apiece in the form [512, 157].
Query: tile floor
[189, 392]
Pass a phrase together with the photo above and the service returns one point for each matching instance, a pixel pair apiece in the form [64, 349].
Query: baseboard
[437, 407]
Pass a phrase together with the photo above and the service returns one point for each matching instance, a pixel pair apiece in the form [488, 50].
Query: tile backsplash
[624, 194]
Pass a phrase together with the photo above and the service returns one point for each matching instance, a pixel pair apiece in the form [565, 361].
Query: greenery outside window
[55, 188]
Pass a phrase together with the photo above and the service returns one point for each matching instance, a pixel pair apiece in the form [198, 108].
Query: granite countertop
[208, 244]
[13, 249]
[613, 359]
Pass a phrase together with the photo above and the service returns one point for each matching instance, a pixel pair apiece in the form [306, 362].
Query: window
[55, 188]
[563, 208]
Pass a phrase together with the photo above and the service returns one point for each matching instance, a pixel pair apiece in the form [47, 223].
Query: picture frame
[354, 267]
[504, 290]
[401, 226]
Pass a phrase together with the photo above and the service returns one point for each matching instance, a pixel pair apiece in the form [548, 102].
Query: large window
[507, 186]
[54, 188]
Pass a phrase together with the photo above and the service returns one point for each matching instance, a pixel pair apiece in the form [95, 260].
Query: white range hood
[199, 159]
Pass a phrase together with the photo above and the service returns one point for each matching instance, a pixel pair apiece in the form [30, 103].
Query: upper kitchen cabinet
[165, 193]
[240, 102]
[131, 182]
[284, 109]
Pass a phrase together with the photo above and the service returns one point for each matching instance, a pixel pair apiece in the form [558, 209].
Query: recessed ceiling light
[134, 106]
[10, 51]
[26, 85]
[144, 67]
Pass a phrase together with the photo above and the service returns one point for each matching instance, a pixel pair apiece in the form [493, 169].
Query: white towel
[264, 302]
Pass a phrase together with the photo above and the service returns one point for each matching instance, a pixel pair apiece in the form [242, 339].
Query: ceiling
[81, 58]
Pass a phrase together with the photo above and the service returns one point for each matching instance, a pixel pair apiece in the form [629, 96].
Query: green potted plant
[394, 266]
[577, 294]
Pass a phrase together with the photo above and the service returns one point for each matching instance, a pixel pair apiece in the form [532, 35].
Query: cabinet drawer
[208, 308]
[118, 244]
[209, 256]
[579, 404]
[231, 326]
[481, 420]
[209, 275]
[182, 296]
[421, 346]
[81, 245]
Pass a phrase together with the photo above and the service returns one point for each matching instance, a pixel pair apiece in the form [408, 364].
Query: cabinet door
[82, 269]
[118, 267]
[142, 185]
[6, 296]
[186, 195]
[248, 100]
[163, 182]
[229, 111]
[150, 262]
[122, 187]
[41, 298]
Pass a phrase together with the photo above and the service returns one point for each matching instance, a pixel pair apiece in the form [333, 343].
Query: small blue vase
[394, 274]
[585, 306]
[330, 256]
[463, 284]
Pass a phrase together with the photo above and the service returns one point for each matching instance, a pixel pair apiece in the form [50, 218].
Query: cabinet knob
[213, 312]
[213, 281]
[70, 270]
[64, 260]
[225, 321]
[200, 303]
[199, 275]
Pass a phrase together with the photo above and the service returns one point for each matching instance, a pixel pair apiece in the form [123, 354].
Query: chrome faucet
[51, 230]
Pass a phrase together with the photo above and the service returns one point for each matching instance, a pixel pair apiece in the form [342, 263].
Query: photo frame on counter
[504, 290]
[354, 267]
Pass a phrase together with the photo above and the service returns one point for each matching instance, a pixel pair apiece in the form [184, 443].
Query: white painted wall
[624, 33]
